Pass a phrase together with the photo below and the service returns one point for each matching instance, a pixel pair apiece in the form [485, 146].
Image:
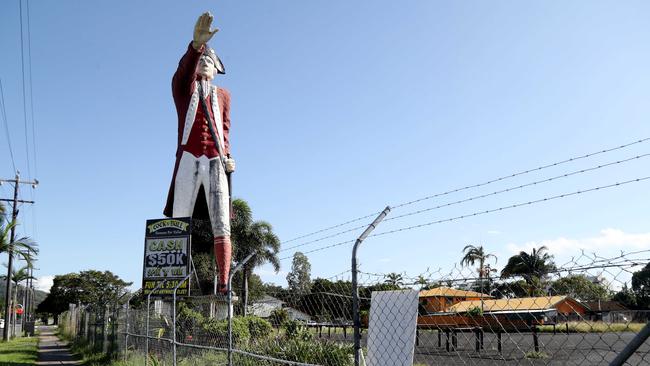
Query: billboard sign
[167, 251]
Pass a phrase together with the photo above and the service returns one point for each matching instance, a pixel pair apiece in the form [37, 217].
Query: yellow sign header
[167, 223]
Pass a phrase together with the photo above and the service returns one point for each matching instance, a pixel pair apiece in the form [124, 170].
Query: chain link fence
[578, 313]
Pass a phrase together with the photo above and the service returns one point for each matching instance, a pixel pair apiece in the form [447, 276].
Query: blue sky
[338, 109]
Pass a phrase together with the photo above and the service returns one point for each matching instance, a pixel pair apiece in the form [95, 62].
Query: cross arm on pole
[19, 201]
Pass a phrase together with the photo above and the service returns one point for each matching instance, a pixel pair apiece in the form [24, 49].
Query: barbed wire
[473, 198]
[566, 175]
[484, 212]
[546, 199]
[509, 176]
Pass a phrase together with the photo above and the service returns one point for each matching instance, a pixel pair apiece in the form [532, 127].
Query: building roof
[597, 306]
[519, 304]
[451, 292]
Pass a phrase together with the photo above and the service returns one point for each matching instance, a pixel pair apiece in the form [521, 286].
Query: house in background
[267, 304]
[608, 311]
[441, 298]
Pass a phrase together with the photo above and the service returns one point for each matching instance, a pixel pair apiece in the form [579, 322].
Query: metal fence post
[355, 291]
[229, 289]
[126, 333]
[146, 330]
[105, 335]
[631, 347]
[174, 317]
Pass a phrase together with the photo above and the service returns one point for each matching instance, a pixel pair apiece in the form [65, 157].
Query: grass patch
[593, 327]
[89, 356]
[19, 351]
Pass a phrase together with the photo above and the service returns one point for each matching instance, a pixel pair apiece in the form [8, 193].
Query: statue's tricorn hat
[209, 52]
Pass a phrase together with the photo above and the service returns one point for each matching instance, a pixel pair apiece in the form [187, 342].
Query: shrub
[279, 316]
[219, 329]
[475, 311]
[257, 327]
[187, 319]
[295, 330]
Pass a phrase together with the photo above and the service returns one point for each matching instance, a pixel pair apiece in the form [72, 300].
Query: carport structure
[500, 316]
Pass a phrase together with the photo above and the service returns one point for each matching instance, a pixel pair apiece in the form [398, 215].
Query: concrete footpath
[52, 350]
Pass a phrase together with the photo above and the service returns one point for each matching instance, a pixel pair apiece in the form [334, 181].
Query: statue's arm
[184, 76]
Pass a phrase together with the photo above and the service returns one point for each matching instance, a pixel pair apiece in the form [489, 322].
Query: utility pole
[14, 214]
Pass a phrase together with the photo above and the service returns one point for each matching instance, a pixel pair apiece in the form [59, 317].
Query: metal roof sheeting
[520, 304]
[451, 292]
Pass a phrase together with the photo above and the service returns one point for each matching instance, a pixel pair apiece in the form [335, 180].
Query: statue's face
[206, 68]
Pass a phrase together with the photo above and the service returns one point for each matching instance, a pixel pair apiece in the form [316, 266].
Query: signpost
[167, 257]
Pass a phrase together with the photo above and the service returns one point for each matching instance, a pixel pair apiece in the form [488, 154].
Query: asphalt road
[560, 349]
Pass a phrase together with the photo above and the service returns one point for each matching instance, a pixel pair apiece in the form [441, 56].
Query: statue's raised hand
[202, 32]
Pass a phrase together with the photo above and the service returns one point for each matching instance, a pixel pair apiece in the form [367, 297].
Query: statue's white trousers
[194, 172]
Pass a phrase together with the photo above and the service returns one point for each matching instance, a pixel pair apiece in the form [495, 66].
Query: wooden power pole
[14, 214]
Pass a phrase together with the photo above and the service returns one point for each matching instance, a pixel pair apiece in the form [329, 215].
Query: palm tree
[24, 247]
[252, 237]
[394, 279]
[532, 267]
[475, 254]
[18, 276]
[422, 281]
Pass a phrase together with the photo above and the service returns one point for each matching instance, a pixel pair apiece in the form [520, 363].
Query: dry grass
[594, 327]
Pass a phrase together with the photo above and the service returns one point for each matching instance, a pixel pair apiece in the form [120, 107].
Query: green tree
[252, 237]
[532, 267]
[626, 297]
[579, 287]
[641, 287]
[299, 279]
[329, 300]
[394, 279]
[255, 286]
[514, 289]
[85, 287]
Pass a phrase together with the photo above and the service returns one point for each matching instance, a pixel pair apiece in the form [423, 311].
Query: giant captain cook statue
[203, 152]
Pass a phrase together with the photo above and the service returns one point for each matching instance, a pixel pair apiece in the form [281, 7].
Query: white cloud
[44, 283]
[610, 239]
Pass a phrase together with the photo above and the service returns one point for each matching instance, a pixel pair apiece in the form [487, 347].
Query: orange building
[496, 314]
[441, 298]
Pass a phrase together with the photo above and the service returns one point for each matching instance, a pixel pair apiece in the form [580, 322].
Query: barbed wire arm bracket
[355, 292]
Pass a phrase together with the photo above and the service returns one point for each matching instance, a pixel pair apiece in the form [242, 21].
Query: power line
[479, 213]
[473, 198]
[4, 119]
[542, 167]
[31, 88]
[22, 66]
[32, 192]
